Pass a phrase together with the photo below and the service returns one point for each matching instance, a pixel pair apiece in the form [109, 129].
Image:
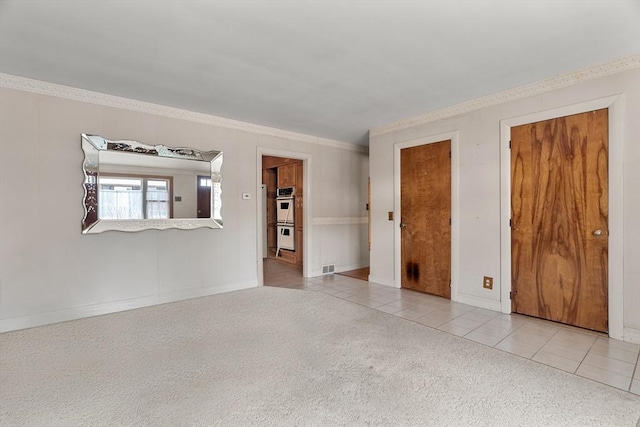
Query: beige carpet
[271, 356]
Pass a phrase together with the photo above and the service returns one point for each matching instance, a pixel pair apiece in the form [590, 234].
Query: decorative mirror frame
[93, 145]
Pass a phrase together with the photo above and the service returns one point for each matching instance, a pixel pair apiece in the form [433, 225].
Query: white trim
[476, 301]
[455, 217]
[349, 267]
[632, 335]
[615, 104]
[342, 220]
[183, 294]
[563, 80]
[75, 313]
[307, 235]
[51, 89]
[338, 269]
[382, 281]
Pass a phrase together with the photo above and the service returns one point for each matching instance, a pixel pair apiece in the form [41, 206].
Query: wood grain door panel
[425, 201]
[559, 199]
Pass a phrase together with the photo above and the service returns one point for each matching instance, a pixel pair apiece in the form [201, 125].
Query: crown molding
[45, 88]
[553, 83]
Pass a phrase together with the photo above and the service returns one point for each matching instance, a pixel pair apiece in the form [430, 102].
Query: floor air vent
[328, 269]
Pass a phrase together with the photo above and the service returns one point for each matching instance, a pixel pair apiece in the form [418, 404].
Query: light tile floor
[581, 352]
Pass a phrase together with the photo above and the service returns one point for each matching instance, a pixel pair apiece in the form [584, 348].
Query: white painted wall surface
[480, 186]
[50, 272]
[185, 185]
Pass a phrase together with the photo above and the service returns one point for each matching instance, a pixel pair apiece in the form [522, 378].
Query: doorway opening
[283, 200]
[284, 182]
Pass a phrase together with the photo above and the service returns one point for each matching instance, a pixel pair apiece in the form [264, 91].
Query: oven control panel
[285, 192]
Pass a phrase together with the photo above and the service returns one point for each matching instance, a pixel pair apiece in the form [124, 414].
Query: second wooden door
[425, 202]
[559, 214]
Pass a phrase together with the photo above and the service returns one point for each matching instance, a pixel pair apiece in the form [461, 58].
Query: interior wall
[479, 186]
[50, 272]
[185, 186]
[343, 214]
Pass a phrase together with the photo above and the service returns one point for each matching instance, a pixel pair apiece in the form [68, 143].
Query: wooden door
[204, 196]
[559, 219]
[425, 202]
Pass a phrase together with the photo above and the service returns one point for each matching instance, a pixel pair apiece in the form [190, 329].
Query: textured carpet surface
[270, 356]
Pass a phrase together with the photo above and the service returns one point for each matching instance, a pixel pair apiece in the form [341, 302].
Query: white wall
[343, 213]
[185, 185]
[50, 272]
[479, 193]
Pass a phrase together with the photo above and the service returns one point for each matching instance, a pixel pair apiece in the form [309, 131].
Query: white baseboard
[41, 319]
[338, 269]
[631, 335]
[315, 273]
[382, 281]
[479, 302]
[341, 268]
[203, 292]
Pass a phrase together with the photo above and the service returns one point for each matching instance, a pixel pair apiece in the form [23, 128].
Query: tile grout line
[588, 351]
[542, 346]
[633, 374]
[607, 357]
[510, 333]
[585, 356]
[483, 323]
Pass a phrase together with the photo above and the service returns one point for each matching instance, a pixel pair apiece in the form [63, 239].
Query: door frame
[306, 207]
[615, 105]
[453, 136]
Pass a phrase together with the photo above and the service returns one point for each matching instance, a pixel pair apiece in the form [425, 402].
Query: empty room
[360, 212]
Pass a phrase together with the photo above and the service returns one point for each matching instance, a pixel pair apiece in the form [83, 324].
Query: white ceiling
[332, 69]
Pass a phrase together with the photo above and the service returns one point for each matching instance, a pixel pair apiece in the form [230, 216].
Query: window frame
[144, 178]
